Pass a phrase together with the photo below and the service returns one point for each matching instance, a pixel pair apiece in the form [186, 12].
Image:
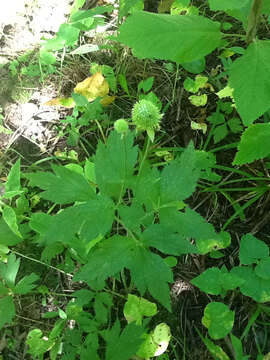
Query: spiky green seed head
[121, 126]
[146, 116]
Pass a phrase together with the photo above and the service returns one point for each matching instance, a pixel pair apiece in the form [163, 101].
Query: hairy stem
[253, 20]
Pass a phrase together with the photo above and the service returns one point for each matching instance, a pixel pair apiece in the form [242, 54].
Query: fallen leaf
[93, 87]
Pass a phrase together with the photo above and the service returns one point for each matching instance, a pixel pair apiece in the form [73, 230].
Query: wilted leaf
[93, 87]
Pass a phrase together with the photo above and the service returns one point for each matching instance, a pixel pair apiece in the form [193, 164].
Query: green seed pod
[121, 126]
[146, 116]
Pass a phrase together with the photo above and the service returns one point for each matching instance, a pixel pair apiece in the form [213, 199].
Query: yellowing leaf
[66, 102]
[107, 100]
[92, 87]
[199, 126]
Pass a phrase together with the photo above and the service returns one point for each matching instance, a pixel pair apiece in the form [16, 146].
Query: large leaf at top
[226, 4]
[87, 220]
[250, 79]
[63, 187]
[170, 37]
[114, 163]
[254, 144]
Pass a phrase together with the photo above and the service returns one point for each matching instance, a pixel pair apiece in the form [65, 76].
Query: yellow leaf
[93, 87]
[107, 100]
[65, 102]
[199, 126]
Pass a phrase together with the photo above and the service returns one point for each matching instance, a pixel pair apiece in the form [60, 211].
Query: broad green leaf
[10, 218]
[220, 133]
[195, 67]
[218, 319]
[3, 290]
[114, 163]
[110, 256]
[102, 304]
[190, 224]
[156, 342]
[150, 272]
[7, 237]
[38, 345]
[253, 286]
[164, 240]
[113, 254]
[250, 79]
[137, 307]
[125, 345]
[219, 241]
[7, 311]
[134, 216]
[209, 281]
[146, 188]
[263, 269]
[174, 185]
[83, 296]
[26, 284]
[9, 270]
[88, 220]
[63, 187]
[254, 144]
[223, 5]
[252, 249]
[169, 37]
[14, 179]
[214, 281]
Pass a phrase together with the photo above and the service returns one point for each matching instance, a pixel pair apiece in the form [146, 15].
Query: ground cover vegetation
[147, 235]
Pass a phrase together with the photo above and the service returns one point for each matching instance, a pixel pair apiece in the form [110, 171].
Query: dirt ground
[23, 25]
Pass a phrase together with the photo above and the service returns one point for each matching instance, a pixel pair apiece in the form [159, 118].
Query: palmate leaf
[254, 144]
[250, 79]
[178, 38]
[174, 185]
[63, 187]
[148, 270]
[87, 220]
[160, 237]
[114, 164]
[124, 345]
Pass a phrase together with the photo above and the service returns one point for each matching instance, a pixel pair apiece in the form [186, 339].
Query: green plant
[188, 38]
[111, 231]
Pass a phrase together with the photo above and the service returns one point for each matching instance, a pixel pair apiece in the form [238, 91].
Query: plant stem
[39, 262]
[144, 155]
[253, 20]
